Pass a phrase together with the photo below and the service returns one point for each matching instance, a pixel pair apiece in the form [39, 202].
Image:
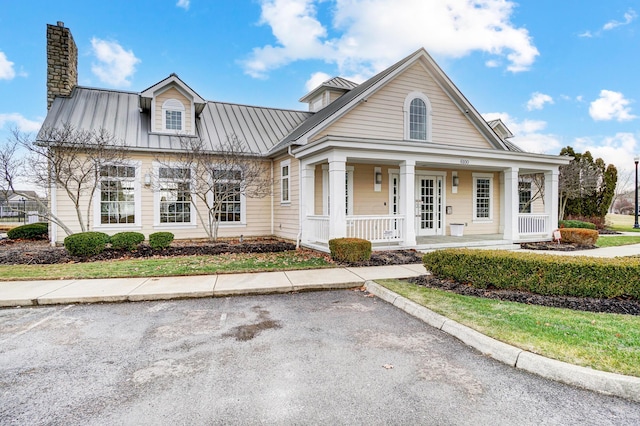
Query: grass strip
[606, 342]
[617, 240]
[169, 266]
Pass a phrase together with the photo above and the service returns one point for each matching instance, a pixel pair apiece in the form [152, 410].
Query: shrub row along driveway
[328, 357]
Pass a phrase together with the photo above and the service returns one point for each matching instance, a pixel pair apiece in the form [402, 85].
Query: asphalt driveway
[310, 358]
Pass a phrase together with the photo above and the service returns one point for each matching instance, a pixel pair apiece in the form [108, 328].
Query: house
[403, 160]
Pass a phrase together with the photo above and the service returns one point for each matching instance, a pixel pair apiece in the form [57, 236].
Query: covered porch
[425, 201]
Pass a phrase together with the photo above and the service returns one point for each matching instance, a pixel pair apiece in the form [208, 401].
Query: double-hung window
[228, 200]
[117, 194]
[174, 187]
[482, 197]
[285, 182]
[417, 122]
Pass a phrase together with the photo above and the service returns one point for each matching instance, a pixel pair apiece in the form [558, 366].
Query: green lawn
[171, 266]
[606, 342]
[621, 222]
[617, 240]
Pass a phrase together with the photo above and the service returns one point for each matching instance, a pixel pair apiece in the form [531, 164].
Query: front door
[428, 205]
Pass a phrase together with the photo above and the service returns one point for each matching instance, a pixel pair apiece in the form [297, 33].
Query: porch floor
[448, 241]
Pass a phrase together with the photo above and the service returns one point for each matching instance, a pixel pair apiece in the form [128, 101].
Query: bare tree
[577, 179]
[218, 178]
[623, 187]
[69, 158]
[537, 188]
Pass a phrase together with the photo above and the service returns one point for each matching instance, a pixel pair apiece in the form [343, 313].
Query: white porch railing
[377, 229]
[318, 228]
[533, 224]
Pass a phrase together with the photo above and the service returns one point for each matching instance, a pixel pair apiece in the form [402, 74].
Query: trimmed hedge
[160, 240]
[32, 231]
[86, 243]
[576, 224]
[126, 240]
[350, 249]
[544, 274]
[580, 236]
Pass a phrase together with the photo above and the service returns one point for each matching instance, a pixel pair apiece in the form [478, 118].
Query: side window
[285, 181]
[417, 117]
[173, 115]
[524, 197]
[482, 197]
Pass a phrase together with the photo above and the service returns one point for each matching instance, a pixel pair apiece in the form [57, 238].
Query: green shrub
[126, 240]
[160, 240]
[32, 231]
[580, 236]
[350, 249]
[576, 224]
[544, 274]
[86, 243]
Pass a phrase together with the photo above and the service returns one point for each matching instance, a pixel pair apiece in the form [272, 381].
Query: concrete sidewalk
[51, 292]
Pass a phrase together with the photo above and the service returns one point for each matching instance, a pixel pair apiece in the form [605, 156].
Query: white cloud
[316, 80]
[372, 34]
[611, 106]
[115, 65]
[6, 68]
[16, 120]
[184, 4]
[618, 150]
[538, 100]
[586, 34]
[628, 18]
[528, 134]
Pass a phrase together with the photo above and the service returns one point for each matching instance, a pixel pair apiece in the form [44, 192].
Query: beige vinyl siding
[366, 201]
[286, 215]
[173, 93]
[257, 217]
[317, 191]
[382, 116]
[333, 95]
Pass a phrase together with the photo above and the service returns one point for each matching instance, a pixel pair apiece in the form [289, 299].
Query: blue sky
[558, 73]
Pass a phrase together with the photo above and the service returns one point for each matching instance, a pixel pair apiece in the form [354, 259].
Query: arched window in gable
[173, 115]
[417, 111]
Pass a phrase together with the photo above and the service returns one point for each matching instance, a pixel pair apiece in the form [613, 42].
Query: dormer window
[173, 115]
[417, 117]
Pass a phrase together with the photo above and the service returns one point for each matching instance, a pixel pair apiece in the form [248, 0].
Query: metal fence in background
[25, 211]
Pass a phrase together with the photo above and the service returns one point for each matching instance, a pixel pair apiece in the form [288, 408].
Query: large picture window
[482, 197]
[175, 195]
[117, 195]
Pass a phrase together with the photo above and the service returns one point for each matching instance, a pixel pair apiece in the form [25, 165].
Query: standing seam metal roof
[118, 112]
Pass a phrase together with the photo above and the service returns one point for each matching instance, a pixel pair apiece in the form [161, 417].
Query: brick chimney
[62, 62]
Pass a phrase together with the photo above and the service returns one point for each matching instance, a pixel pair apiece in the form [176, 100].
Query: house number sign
[465, 162]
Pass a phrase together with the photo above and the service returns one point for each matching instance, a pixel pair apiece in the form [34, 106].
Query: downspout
[300, 198]
[53, 227]
[272, 199]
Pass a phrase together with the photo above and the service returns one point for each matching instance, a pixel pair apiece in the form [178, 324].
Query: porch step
[478, 244]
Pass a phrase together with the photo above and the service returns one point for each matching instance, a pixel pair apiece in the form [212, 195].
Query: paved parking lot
[311, 358]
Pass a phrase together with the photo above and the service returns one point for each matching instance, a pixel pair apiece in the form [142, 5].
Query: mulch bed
[614, 306]
[550, 245]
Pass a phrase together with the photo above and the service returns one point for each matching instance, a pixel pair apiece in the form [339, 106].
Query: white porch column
[511, 204]
[307, 198]
[337, 196]
[551, 199]
[408, 200]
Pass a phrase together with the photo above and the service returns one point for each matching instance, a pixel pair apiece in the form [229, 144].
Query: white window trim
[154, 108]
[117, 227]
[243, 210]
[283, 164]
[475, 177]
[407, 108]
[394, 173]
[173, 105]
[156, 200]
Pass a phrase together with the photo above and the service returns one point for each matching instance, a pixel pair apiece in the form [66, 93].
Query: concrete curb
[599, 381]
